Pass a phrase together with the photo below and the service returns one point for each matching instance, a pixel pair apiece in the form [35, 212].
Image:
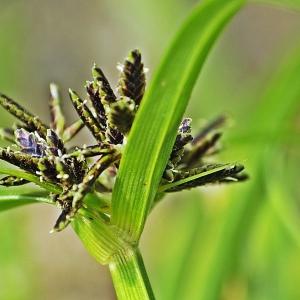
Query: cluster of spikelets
[44, 151]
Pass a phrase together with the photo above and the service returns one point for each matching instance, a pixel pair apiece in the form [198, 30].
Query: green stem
[129, 276]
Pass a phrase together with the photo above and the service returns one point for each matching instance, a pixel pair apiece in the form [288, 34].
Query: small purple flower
[185, 126]
[30, 143]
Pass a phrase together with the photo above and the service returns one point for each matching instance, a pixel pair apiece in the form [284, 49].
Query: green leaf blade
[13, 201]
[129, 276]
[99, 238]
[154, 130]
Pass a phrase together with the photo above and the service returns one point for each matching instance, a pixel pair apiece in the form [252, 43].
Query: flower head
[43, 150]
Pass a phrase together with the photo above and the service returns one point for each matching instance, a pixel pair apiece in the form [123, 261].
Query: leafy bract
[13, 201]
[154, 130]
[32, 178]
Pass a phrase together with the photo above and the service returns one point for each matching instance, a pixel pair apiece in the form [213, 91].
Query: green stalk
[129, 276]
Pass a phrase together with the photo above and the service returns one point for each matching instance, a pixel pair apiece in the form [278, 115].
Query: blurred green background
[230, 242]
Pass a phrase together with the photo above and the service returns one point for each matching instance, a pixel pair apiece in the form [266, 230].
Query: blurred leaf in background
[15, 257]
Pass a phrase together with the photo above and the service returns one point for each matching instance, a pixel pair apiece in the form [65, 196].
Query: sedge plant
[142, 149]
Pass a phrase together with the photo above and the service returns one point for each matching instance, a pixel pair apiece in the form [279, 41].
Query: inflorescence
[44, 150]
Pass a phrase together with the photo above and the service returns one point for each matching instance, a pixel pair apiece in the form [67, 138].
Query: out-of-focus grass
[218, 260]
[15, 267]
[295, 4]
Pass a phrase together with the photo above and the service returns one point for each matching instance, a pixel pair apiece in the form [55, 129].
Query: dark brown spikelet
[105, 91]
[74, 169]
[182, 139]
[87, 117]
[204, 143]
[92, 175]
[31, 121]
[194, 155]
[132, 78]
[47, 169]
[19, 159]
[63, 173]
[215, 124]
[114, 136]
[10, 181]
[107, 96]
[63, 170]
[218, 174]
[72, 200]
[94, 95]
[122, 114]
[54, 143]
[77, 170]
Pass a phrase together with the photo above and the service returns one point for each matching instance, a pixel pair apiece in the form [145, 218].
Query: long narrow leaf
[13, 201]
[32, 178]
[154, 130]
[171, 185]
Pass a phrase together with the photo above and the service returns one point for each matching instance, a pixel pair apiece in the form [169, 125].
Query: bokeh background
[233, 242]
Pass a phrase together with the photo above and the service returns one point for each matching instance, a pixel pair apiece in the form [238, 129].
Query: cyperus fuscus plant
[142, 149]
